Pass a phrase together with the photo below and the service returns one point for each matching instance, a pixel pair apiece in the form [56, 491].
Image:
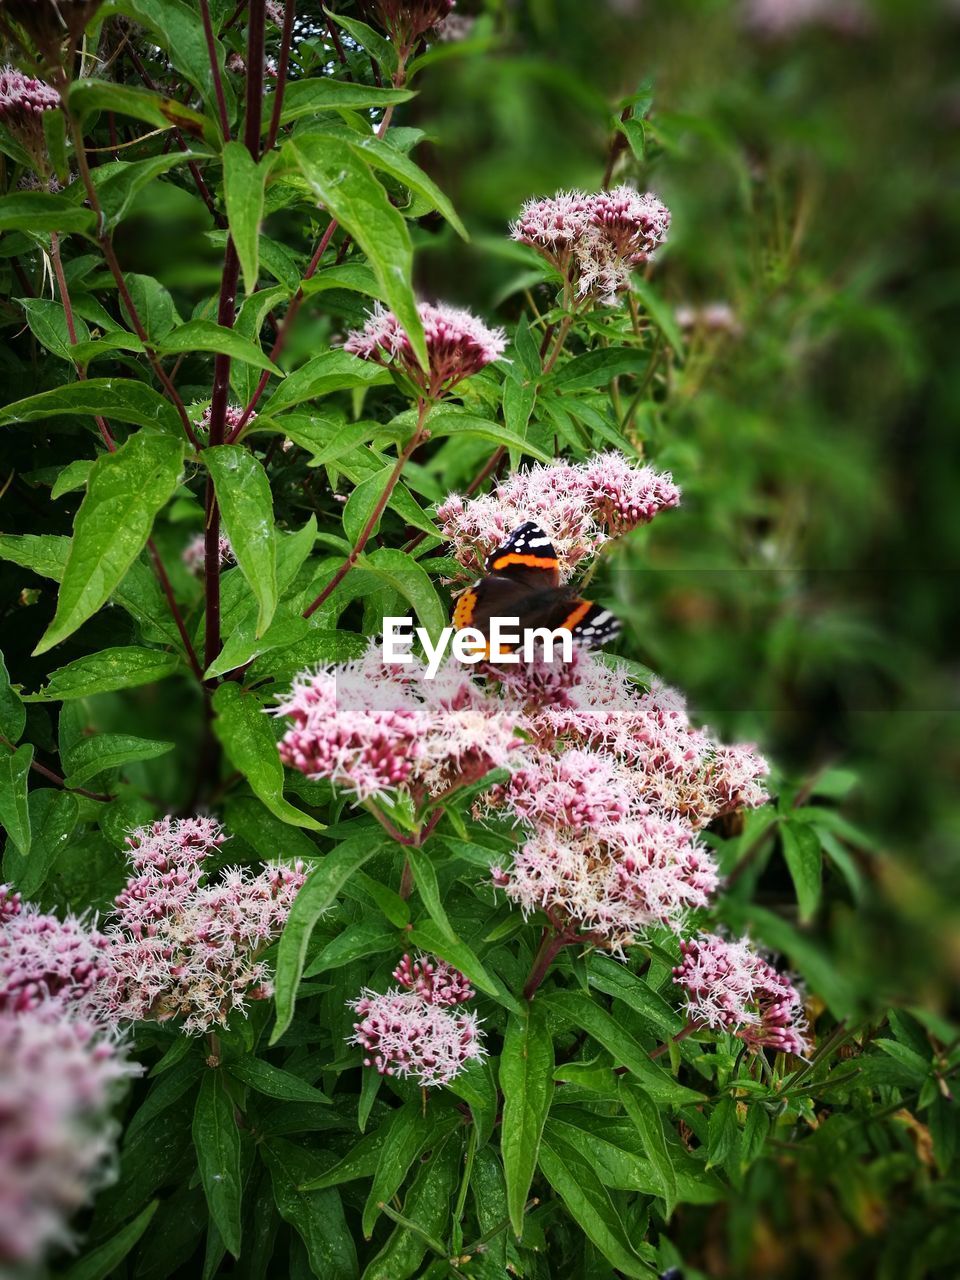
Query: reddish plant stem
[255, 55]
[215, 69]
[406, 880]
[286, 38]
[418, 437]
[165, 583]
[551, 944]
[688, 1030]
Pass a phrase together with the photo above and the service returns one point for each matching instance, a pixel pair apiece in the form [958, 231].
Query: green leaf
[243, 191]
[14, 810]
[316, 1216]
[429, 890]
[42, 553]
[91, 756]
[322, 886]
[274, 1082]
[204, 335]
[216, 1140]
[643, 1111]
[39, 211]
[308, 97]
[448, 423]
[918, 1067]
[381, 155]
[597, 1022]
[53, 817]
[247, 737]
[723, 1133]
[804, 859]
[13, 714]
[408, 1133]
[125, 491]
[427, 1207]
[120, 668]
[575, 1180]
[120, 399]
[597, 368]
[118, 182]
[331, 371]
[246, 507]
[362, 503]
[412, 581]
[526, 1081]
[100, 1262]
[353, 196]
[616, 980]
[88, 95]
[48, 324]
[356, 942]
[374, 43]
[73, 476]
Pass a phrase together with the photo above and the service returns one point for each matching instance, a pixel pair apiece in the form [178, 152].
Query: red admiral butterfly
[523, 581]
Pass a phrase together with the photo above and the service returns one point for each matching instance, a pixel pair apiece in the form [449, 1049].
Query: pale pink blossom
[781, 19]
[711, 317]
[48, 961]
[579, 506]
[237, 63]
[454, 28]
[613, 883]
[458, 345]
[578, 788]
[232, 417]
[415, 1032]
[594, 241]
[731, 987]
[375, 729]
[185, 945]
[57, 1077]
[194, 553]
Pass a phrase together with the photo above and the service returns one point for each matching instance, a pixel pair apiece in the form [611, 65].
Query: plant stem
[562, 331]
[406, 880]
[289, 13]
[688, 1030]
[551, 944]
[215, 69]
[161, 573]
[255, 56]
[418, 437]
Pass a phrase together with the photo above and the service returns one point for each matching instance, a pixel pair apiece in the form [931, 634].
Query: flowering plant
[315, 964]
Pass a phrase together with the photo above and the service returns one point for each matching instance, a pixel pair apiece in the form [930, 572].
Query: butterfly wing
[527, 556]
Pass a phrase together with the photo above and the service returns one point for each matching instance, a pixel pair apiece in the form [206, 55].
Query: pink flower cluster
[412, 1032]
[458, 346]
[56, 1080]
[183, 947]
[594, 241]
[194, 553]
[376, 729]
[58, 1066]
[232, 418]
[579, 506]
[711, 317]
[47, 961]
[731, 987]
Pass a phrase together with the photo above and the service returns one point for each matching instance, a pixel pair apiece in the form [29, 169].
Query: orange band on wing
[528, 562]
[579, 613]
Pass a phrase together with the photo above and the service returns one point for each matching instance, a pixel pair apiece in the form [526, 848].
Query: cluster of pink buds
[458, 346]
[731, 987]
[184, 946]
[413, 1032]
[594, 241]
[195, 553]
[579, 506]
[23, 102]
[376, 729]
[408, 21]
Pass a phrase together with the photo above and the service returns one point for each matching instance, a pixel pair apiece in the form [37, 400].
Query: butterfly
[523, 581]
